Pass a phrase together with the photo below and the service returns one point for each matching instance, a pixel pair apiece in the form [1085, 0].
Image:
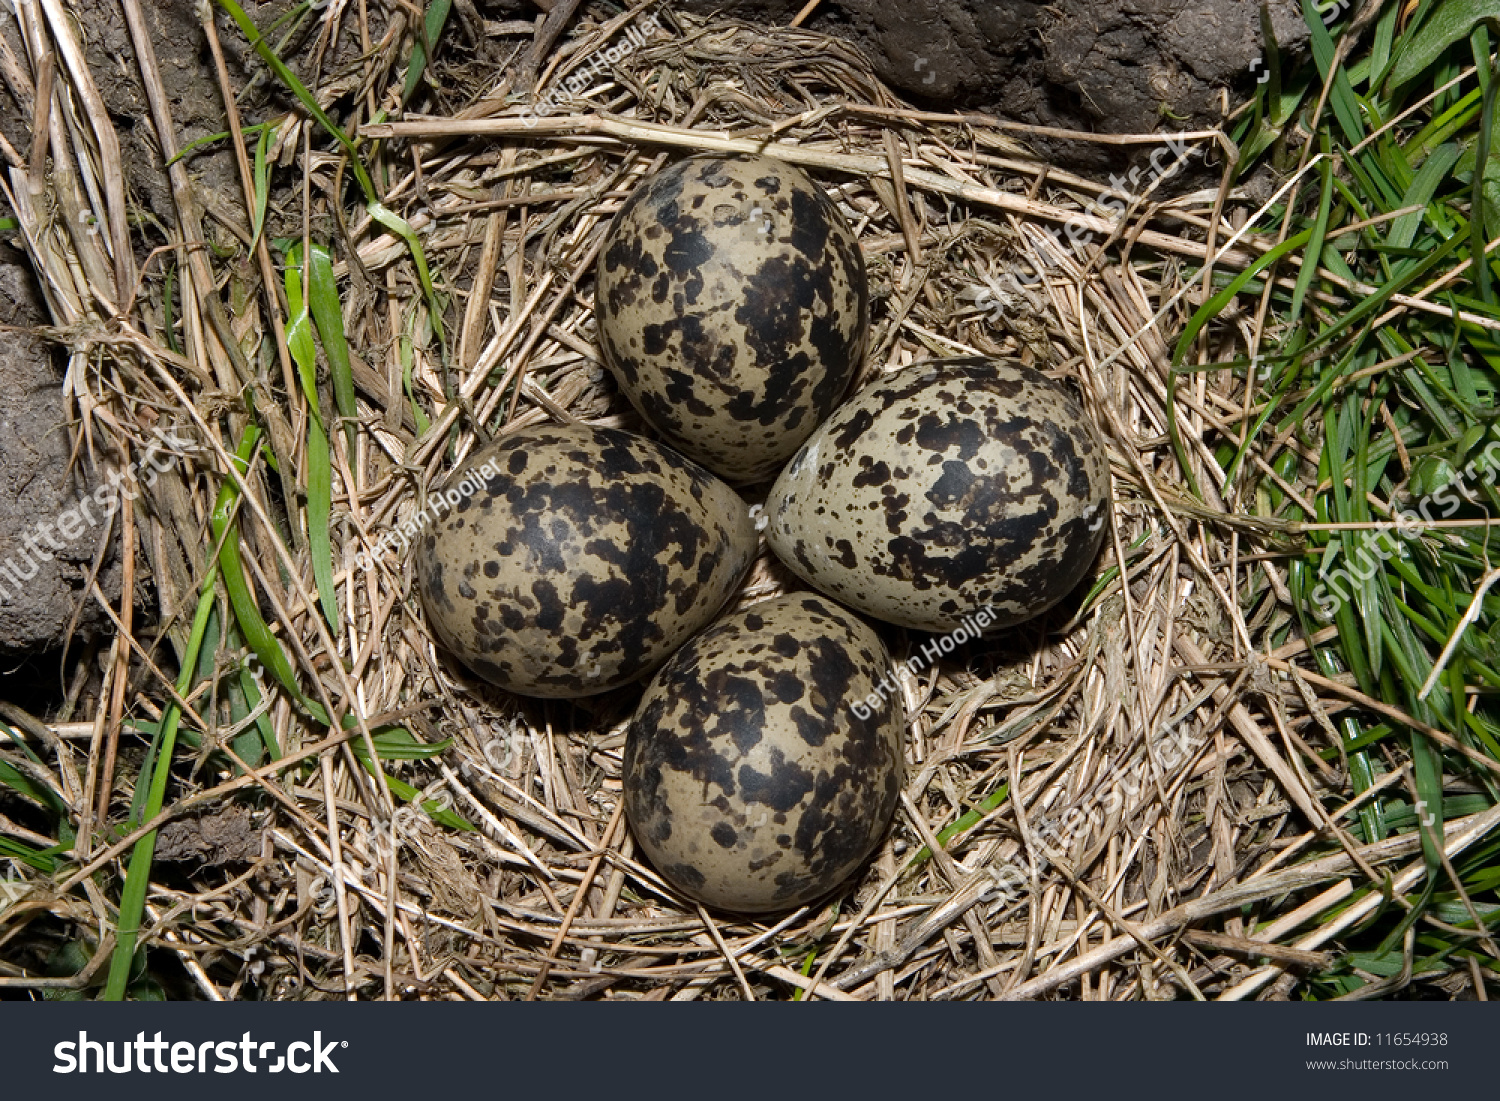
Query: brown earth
[38, 596]
[1093, 65]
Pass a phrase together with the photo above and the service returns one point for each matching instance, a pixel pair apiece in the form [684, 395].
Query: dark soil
[1093, 65]
[38, 595]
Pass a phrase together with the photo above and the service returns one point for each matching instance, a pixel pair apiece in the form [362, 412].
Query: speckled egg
[732, 309]
[579, 559]
[959, 492]
[764, 762]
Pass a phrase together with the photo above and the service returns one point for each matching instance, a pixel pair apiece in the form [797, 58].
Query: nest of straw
[1116, 802]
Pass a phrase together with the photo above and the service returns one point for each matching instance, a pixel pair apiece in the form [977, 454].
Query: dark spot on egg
[724, 835]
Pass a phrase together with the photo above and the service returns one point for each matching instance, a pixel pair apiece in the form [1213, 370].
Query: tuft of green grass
[261, 182]
[391, 743]
[158, 767]
[1398, 404]
[376, 209]
[32, 787]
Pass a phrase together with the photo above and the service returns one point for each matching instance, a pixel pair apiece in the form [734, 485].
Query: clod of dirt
[223, 837]
[437, 870]
[1093, 65]
[43, 573]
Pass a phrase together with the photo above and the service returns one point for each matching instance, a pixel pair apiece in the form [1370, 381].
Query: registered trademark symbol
[343, 1043]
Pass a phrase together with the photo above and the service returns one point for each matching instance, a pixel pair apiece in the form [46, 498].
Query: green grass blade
[198, 143]
[299, 341]
[405, 352]
[246, 613]
[1380, 45]
[1215, 305]
[1341, 98]
[1427, 772]
[138, 873]
[250, 688]
[262, 184]
[41, 860]
[328, 316]
[1273, 60]
[1483, 179]
[397, 744]
[1433, 174]
[400, 228]
[965, 821]
[1315, 241]
[32, 789]
[1380, 297]
[1200, 318]
[431, 27]
[361, 174]
[407, 794]
[294, 85]
[1450, 22]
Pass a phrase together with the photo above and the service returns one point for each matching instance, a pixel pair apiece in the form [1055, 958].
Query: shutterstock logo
[158, 1056]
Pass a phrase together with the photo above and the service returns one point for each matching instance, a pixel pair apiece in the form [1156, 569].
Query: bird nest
[1116, 801]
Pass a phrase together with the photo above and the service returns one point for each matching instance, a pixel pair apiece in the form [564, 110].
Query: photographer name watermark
[934, 648]
[446, 500]
[600, 62]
